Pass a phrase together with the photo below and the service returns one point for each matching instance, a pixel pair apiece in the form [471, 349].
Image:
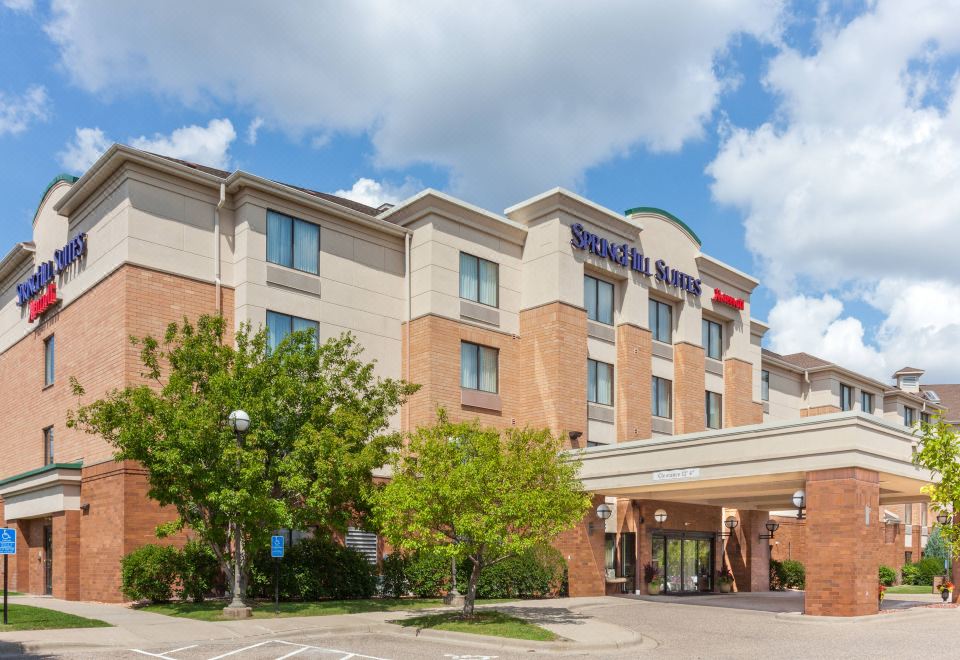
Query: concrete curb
[911, 613]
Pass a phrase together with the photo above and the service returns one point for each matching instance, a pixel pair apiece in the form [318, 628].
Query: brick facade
[739, 408]
[583, 548]
[689, 388]
[818, 410]
[842, 574]
[634, 373]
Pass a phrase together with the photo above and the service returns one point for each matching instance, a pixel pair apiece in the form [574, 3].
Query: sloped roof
[806, 361]
[222, 174]
[907, 370]
[949, 394]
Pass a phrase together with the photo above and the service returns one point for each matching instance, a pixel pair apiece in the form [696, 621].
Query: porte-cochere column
[843, 546]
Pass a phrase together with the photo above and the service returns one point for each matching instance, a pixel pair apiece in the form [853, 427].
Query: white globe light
[731, 522]
[239, 421]
[660, 515]
[800, 499]
[604, 511]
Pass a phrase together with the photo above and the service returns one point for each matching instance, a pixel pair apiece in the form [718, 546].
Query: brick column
[634, 371]
[583, 548]
[689, 388]
[66, 555]
[757, 551]
[843, 557]
[739, 408]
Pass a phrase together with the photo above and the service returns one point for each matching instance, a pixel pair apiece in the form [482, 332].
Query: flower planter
[726, 587]
[653, 588]
[945, 595]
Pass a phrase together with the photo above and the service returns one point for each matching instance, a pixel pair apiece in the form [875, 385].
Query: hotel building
[617, 331]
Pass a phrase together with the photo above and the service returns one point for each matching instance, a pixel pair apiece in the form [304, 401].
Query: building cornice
[432, 201]
[559, 199]
[726, 274]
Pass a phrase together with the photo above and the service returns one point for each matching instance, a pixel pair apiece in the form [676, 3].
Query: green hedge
[922, 572]
[200, 572]
[537, 573]
[887, 576]
[150, 573]
[313, 569]
[787, 574]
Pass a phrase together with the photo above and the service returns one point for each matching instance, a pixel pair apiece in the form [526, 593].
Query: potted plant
[725, 580]
[946, 588]
[881, 592]
[651, 576]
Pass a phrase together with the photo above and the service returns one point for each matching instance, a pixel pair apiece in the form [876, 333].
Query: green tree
[318, 427]
[936, 547]
[939, 452]
[465, 491]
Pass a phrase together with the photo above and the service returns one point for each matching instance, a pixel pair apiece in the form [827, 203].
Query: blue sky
[814, 145]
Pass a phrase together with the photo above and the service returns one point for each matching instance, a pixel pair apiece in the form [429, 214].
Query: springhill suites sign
[40, 290]
[629, 256]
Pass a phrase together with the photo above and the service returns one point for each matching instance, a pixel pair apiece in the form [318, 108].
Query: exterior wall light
[942, 518]
[800, 501]
[730, 523]
[660, 516]
[772, 526]
[604, 511]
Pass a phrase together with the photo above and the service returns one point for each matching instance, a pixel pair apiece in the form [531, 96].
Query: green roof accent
[41, 470]
[68, 178]
[683, 225]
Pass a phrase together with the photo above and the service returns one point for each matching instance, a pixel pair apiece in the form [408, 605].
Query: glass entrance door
[48, 559]
[686, 560]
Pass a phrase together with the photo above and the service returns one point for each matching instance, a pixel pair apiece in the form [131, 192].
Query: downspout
[406, 377]
[216, 246]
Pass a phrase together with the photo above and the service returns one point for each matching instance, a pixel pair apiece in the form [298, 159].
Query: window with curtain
[599, 382]
[280, 325]
[292, 242]
[661, 321]
[661, 397]
[598, 299]
[48, 445]
[479, 280]
[478, 367]
[49, 350]
[846, 397]
[765, 385]
[866, 402]
[713, 410]
[712, 339]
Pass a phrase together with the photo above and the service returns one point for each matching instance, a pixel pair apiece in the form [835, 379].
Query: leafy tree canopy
[466, 491]
[939, 452]
[318, 419]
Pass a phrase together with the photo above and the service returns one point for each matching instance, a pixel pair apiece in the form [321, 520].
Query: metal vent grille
[363, 542]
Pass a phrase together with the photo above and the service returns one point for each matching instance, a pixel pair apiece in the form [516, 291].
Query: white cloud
[374, 193]
[18, 111]
[252, 130]
[853, 190]
[207, 145]
[19, 5]
[87, 146]
[513, 98]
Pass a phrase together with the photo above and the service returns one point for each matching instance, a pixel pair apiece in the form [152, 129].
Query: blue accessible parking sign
[8, 541]
[276, 546]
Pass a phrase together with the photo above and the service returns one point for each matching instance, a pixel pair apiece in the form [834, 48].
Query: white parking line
[165, 654]
[344, 655]
[294, 652]
[245, 648]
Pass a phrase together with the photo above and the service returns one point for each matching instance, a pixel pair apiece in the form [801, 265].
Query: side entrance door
[48, 558]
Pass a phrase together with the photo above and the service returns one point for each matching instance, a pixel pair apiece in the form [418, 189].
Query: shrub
[909, 574]
[927, 569]
[393, 570]
[793, 574]
[314, 569]
[936, 546]
[149, 573]
[887, 576]
[536, 573]
[199, 571]
[776, 576]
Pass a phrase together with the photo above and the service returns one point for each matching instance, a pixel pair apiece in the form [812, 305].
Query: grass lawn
[910, 589]
[26, 617]
[212, 610]
[484, 622]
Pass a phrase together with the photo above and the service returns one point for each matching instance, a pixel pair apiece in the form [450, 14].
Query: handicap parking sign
[276, 546]
[8, 541]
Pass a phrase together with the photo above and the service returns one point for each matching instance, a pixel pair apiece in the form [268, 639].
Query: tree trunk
[471, 589]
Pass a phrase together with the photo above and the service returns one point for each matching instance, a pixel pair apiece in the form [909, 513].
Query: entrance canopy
[759, 466]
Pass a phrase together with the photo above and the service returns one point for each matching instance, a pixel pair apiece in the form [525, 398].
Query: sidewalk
[139, 629]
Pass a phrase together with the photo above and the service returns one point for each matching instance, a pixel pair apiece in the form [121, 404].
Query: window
[661, 321]
[909, 416]
[599, 382]
[712, 339]
[48, 445]
[908, 557]
[598, 299]
[866, 402]
[661, 397]
[292, 242]
[281, 325]
[923, 515]
[765, 385]
[925, 418]
[713, 410]
[908, 515]
[48, 361]
[846, 397]
[478, 367]
[479, 280]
